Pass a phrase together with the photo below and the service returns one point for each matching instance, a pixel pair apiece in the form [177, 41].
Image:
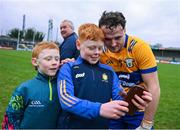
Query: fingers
[118, 114]
[142, 102]
[67, 60]
[138, 105]
[114, 109]
[119, 109]
[122, 107]
[147, 96]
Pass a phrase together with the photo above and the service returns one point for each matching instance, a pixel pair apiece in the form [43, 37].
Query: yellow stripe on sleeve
[67, 95]
[64, 94]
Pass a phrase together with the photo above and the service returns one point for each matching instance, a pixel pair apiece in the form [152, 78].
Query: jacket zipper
[50, 90]
[93, 74]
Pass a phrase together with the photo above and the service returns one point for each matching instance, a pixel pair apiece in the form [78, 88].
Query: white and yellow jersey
[134, 59]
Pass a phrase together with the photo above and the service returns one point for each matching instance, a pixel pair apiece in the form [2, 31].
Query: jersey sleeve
[145, 58]
[71, 103]
[14, 112]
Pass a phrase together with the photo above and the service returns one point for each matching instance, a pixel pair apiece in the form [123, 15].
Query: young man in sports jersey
[134, 63]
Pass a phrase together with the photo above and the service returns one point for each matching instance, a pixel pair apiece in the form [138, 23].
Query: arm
[14, 112]
[152, 82]
[148, 68]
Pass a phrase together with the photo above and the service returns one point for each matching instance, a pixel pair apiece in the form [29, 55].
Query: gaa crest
[104, 77]
[129, 62]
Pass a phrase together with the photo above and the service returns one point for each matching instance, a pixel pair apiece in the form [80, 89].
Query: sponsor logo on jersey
[129, 62]
[124, 76]
[76, 67]
[127, 84]
[80, 75]
[36, 103]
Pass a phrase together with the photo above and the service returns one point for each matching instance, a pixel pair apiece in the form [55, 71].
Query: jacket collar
[45, 77]
[81, 60]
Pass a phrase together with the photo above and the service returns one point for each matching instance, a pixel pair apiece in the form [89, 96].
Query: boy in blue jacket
[34, 104]
[86, 87]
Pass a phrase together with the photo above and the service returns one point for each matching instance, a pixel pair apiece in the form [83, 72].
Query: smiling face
[48, 61]
[114, 38]
[91, 50]
[66, 29]
[90, 42]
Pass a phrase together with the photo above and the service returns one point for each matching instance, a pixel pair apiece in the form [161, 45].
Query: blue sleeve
[15, 111]
[71, 103]
[116, 88]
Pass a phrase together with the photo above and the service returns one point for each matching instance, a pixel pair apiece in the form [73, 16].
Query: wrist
[146, 124]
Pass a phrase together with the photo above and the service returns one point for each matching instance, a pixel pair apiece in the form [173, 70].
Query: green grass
[168, 114]
[15, 68]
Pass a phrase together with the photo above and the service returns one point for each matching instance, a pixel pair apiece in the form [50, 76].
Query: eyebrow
[116, 37]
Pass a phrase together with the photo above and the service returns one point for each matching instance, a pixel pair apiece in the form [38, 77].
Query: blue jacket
[34, 105]
[82, 88]
[68, 47]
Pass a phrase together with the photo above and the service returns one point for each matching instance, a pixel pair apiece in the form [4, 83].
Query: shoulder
[136, 44]
[28, 83]
[106, 67]
[70, 65]
[73, 36]
[23, 88]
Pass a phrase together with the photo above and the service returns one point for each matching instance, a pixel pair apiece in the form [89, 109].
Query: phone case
[138, 90]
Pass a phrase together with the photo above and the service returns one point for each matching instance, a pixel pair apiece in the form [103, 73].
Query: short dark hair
[112, 19]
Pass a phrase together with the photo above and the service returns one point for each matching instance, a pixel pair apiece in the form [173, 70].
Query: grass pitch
[15, 68]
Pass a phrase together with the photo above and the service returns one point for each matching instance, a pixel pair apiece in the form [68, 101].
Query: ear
[34, 62]
[78, 44]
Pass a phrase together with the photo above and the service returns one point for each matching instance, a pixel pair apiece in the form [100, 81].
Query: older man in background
[68, 46]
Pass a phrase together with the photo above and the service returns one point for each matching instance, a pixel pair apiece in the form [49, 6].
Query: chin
[52, 74]
[114, 51]
[93, 62]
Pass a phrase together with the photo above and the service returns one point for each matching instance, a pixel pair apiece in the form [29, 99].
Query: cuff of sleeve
[98, 109]
[146, 124]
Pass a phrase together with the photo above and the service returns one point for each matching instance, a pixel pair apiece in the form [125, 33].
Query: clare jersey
[134, 59]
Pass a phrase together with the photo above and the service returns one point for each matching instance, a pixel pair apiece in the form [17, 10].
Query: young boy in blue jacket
[34, 104]
[86, 87]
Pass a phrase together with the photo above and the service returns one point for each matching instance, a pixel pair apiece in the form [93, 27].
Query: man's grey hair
[70, 22]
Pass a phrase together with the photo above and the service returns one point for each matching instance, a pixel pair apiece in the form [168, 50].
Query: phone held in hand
[138, 90]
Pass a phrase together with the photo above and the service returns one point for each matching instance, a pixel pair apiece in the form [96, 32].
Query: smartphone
[138, 90]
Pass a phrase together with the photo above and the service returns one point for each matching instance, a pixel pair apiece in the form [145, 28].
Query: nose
[113, 43]
[97, 51]
[54, 61]
[62, 30]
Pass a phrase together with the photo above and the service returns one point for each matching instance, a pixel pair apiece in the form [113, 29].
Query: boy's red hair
[90, 31]
[41, 46]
